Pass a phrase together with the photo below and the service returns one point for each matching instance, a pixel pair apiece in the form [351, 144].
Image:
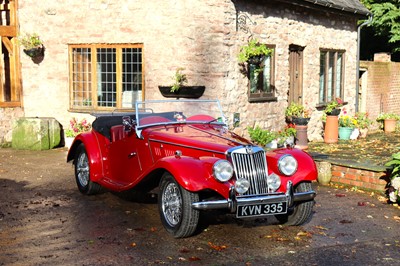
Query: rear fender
[93, 151]
[194, 174]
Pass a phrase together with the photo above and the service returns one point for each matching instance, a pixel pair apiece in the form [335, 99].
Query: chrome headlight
[273, 181]
[223, 170]
[287, 164]
[242, 185]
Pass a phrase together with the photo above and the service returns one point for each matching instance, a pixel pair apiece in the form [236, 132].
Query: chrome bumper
[233, 201]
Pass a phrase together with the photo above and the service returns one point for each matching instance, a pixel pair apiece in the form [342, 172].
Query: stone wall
[199, 35]
[7, 116]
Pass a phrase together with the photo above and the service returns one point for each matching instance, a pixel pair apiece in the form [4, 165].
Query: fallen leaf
[321, 227]
[133, 244]
[346, 222]
[360, 203]
[216, 247]
[194, 259]
[184, 250]
[396, 218]
[339, 195]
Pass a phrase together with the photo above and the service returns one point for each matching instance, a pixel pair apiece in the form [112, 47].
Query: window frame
[325, 98]
[93, 76]
[264, 96]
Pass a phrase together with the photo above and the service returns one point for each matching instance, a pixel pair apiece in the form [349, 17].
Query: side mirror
[127, 123]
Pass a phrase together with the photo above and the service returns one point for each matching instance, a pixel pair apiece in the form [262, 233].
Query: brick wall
[358, 178]
[382, 94]
[199, 35]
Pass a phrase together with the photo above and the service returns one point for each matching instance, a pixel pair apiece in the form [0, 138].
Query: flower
[333, 105]
[76, 128]
[362, 120]
[347, 121]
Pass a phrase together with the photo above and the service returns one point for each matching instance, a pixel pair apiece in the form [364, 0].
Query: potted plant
[179, 89]
[332, 108]
[394, 184]
[389, 121]
[346, 125]
[253, 52]
[363, 123]
[75, 128]
[33, 45]
[297, 114]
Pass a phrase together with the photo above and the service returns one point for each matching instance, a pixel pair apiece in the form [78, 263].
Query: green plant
[262, 136]
[253, 48]
[384, 116]
[362, 120]
[76, 127]
[179, 78]
[29, 41]
[347, 121]
[394, 184]
[295, 109]
[334, 104]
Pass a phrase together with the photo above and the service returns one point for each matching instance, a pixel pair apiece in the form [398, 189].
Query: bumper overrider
[232, 203]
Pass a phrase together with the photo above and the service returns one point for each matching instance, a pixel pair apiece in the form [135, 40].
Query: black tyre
[301, 212]
[176, 212]
[82, 173]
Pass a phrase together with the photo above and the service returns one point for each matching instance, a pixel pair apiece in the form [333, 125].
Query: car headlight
[223, 170]
[242, 185]
[287, 165]
[274, 182]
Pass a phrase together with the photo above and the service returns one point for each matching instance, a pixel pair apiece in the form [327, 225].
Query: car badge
[249, 150]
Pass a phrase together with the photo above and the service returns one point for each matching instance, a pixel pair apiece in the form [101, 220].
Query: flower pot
[300, 121]
[301, 137]
[193, 92]
[331, 129]
[334, 112]
[345, 132]
[389, 125]
[363, 132]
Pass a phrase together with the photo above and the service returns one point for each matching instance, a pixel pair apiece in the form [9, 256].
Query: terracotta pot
[389, 125]
[301, 137]
[363, 132]
[331, 132]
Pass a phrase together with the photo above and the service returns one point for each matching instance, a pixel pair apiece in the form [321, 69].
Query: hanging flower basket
[192, 92]
[34, 52]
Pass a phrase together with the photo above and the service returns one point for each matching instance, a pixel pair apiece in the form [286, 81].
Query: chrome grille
[250, 163]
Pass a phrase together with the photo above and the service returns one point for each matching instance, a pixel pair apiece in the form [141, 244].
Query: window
[105, 76]
[331, 75]
[262, 79]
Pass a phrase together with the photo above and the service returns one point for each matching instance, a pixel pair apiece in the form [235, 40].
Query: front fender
[306, 171]
[194, 174]
[93, 151]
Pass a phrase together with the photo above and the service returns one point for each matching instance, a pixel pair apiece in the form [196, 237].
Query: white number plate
[261, 209]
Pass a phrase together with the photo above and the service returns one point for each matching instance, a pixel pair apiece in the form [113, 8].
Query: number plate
[261, 209]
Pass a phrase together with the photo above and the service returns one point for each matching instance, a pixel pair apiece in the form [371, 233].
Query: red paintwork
[124, 162]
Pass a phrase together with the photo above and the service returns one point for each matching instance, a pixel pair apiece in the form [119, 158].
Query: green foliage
[253, 48]
[347, 121]
[386, 20]
[30, 41]
[394, 163]
[261, 136]
[179, 78]
[294, 109]
[384, 116]
[363, 120]
[333, 105]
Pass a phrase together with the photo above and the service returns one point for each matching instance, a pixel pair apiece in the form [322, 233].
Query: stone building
[100, 55]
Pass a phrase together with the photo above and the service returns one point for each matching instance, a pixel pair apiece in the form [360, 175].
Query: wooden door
[295, 74]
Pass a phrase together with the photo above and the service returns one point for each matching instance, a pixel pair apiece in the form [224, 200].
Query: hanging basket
[193, 92]
[34, 52]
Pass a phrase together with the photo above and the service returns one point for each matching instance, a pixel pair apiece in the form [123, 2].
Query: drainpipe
[370, 17]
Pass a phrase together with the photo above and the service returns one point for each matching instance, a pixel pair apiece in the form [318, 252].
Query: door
[295, 74]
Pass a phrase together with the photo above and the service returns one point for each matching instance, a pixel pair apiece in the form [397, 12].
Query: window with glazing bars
[331, 75]
[105, 76]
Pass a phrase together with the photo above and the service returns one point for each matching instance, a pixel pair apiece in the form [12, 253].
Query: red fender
[194, 174]
[93, 151]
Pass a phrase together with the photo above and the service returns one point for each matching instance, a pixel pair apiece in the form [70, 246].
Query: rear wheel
[82, 173]
[175, 207]
[301, 212]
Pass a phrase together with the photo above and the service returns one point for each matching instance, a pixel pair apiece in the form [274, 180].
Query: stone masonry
[200, 35]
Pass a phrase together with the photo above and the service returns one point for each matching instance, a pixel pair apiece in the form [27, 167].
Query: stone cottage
[101, 55]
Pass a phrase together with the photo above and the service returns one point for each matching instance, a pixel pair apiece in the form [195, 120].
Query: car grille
[250, 163]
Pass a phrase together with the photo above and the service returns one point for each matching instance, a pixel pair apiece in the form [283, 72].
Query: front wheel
[300, 212]
[175, 207]
[82, 173]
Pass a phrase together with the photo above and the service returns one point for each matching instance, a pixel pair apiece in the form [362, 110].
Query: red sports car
[184, 150]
